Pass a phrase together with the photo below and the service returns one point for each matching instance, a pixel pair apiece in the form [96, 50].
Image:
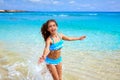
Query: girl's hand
[82, 37]
[41, 59]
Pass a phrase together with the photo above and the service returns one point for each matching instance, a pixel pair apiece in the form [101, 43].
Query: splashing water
[16, 66]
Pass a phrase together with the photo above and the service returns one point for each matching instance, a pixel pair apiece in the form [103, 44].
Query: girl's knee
[56, 78]
[60, 78]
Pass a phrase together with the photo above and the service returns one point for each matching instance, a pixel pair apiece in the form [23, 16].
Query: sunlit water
[95, 58]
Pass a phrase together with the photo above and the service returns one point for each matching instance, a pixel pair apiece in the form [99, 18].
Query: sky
[61, 5]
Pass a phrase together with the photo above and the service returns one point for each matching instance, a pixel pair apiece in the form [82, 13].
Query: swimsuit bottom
[53, 61]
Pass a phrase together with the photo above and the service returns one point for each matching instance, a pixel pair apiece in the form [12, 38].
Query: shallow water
[88, 66]
[20, 66]
[79, 65]
[95, 58]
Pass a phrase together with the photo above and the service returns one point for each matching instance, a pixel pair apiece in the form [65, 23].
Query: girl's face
[52, 27]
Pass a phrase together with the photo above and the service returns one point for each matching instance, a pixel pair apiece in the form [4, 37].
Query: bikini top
[57, 45]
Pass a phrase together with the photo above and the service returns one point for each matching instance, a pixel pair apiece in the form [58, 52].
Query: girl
[52, 50]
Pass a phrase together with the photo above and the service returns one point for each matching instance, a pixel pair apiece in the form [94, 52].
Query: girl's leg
[59, 70]
[53, 71]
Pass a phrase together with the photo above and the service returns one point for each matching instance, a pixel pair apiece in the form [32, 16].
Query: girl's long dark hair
[44, 29]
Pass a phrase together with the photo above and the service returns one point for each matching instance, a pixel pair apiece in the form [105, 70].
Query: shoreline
[5, 11]
[89, 63]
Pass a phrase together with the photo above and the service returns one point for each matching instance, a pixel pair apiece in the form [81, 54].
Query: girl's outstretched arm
[45, 52]
[72, 38]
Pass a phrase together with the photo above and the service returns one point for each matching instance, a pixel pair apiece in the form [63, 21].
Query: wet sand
[11, 65]
[90, 66]
[77, 65]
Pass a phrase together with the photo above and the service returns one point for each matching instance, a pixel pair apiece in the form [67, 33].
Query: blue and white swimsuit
[53, 47]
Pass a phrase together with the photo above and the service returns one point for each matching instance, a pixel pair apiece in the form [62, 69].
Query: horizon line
[17, 10]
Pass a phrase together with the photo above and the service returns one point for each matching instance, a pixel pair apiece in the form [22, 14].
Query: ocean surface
[95, 58]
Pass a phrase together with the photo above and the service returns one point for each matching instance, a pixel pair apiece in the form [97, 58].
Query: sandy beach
[89, 65]
[11, 65]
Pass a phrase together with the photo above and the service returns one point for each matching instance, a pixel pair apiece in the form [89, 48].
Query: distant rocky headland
[12, 11]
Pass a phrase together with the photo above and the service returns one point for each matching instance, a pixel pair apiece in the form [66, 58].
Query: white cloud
[45, 1]
[55, 2]
[72, 2]
[112, 2]
[35, 0]
[41, 1]
[85, 5]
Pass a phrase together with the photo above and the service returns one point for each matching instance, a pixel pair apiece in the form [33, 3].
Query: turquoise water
[95, 58]
[101, 28]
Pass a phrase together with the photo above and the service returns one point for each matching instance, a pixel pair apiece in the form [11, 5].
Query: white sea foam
[61, 15]
[93, 14]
